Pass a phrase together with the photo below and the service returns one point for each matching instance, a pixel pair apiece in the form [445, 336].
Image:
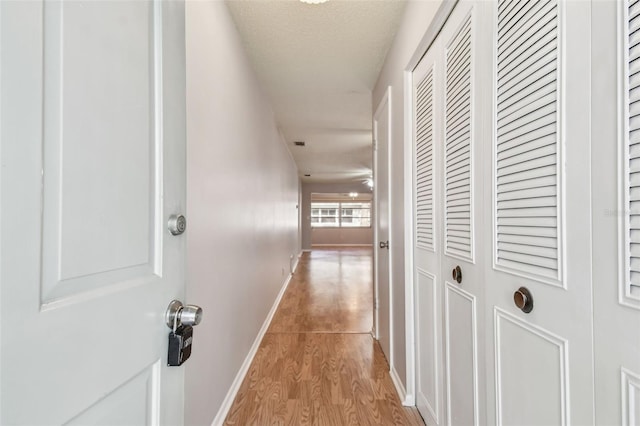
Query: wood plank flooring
[318, 364]
[331, 292]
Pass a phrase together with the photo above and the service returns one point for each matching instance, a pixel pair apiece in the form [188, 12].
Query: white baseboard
[305, 251]
[341, 245]
[295, 263]
[244, 369]
[402, 393]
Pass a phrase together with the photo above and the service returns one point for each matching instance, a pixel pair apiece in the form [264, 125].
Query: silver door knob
[178, 314]
[523, 300]
[384, 244]
[177, 224]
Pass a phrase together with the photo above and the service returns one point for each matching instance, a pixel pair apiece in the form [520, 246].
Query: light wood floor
[318, 364]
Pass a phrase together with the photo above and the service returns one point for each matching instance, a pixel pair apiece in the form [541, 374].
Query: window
[345, 215]
[324, 214]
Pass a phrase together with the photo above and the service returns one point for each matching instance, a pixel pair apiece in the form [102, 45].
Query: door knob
[178, 314]
[384, 244]
[177, 224]
[457, 274]
[523, 300]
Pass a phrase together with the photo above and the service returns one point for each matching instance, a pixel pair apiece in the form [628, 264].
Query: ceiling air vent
[299, 143]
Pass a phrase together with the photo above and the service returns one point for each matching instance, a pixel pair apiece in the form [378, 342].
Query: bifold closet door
[616, 211]
[537, 190]
[447, 84]
[427, 118]
[465, 69]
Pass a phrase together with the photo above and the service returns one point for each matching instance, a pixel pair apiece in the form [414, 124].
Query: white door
[382, 135]
[93, 164]
[537, 193]
[427, 148]
[465, 47]
[615, 212]
[449, 275]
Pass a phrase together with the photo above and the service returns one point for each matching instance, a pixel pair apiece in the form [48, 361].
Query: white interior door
[92, 146]
[465, 72]
[616, 212]
[427, 112]
[382, 135]
[541, 362]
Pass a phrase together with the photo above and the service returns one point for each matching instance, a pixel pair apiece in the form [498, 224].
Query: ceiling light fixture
[314, 1]
[353, 194]
[369, 182]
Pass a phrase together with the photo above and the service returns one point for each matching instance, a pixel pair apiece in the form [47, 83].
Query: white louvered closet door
[427, 117]
[465, 71]
[448, 167]
[537, 193]
[616, 211]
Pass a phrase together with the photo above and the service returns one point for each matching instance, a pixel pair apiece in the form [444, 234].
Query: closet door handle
[523, 300]
[457, 274]
[384, 244]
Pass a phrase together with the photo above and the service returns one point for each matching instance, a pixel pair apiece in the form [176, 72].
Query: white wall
[316, 236]
[416, 20]
[242, 192]
[341, 236]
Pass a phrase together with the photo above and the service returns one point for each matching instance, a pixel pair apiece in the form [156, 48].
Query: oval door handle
[457, 274]
[384, 244]
[191, 315]
[523, 300]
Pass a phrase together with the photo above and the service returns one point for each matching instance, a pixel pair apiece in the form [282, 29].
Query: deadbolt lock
[177, 224]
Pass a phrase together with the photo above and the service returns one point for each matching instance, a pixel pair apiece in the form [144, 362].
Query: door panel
[99, 138]
[462, 355]
[529, 359]
[427, 115]
[134, 402]
[541, 236]
[458, 151]
[463, 77]
[96, 141]
[615, 212]
[428, 348]
[528, 202]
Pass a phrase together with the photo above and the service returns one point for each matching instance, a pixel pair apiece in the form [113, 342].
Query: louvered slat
[632, 139]
[526, 164]
[458, 209]
[424, 162]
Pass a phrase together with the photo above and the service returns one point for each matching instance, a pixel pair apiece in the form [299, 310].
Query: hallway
[318, 363]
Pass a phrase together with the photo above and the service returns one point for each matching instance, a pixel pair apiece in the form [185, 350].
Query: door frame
[386, 99]
[430, 35]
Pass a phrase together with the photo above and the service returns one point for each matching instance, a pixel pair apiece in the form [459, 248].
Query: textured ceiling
[318, 64]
